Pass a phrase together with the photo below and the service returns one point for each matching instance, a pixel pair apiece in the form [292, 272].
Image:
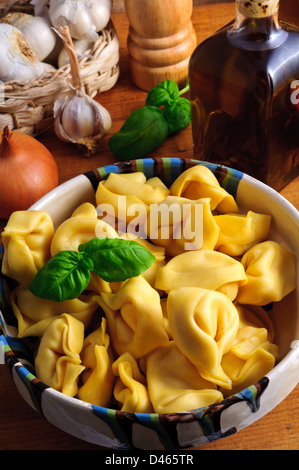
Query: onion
[27, 171]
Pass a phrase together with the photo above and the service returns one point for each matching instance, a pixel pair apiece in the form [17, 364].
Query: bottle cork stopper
[257, 8]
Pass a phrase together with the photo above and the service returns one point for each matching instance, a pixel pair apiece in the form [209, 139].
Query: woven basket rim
[28, 105]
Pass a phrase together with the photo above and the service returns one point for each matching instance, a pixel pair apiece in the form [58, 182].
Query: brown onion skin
[28, 171]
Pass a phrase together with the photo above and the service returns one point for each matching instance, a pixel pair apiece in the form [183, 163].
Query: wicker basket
[28, 106]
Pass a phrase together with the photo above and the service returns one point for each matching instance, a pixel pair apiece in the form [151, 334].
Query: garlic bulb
[77, 117]
[80, 45]
[36, 30]
[17, 60]
[83, 17]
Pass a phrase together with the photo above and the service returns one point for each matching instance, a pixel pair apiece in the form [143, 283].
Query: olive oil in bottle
[244, 90]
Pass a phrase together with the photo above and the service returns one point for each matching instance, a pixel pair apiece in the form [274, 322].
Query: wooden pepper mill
[161, 40]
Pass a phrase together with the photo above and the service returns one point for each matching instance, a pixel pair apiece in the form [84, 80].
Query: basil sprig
[165, 113]
[67, 274]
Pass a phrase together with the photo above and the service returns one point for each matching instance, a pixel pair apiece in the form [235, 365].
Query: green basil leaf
[143, 131]
[177, 115]
[115, 259]
[164, 93]
[63, 277]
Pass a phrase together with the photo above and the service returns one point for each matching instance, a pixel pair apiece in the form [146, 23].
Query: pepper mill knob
[161, 40]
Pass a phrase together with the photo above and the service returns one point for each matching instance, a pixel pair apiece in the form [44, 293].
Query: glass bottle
[244, 90]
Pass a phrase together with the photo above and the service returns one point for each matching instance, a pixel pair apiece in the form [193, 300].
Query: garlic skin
[81, 120]
[17, 60]
[36, 30]
[84, 18]
[80, 45]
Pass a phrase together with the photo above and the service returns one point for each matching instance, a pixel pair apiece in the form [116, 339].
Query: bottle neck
[256, 25]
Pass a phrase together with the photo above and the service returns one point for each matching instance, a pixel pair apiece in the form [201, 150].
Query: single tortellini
[207, 269]
[200, 182]
[130, 388]
[135, 319]
[58, 363]
[97, 358]
[204, 325]
[239, 232]
[86, 210]
[179, 225]
[26, 238]
[76, 230]
[121, 196]
[34, 314]
[271, 272]
[174, 384]
[250, 358]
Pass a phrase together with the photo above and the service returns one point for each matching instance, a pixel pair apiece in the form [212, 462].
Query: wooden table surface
[21, 428]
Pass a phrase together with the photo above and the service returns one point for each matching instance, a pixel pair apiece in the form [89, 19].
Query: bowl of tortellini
[184, 331]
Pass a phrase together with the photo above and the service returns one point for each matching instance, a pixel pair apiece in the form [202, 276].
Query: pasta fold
[34, 314]
[130, 388]
[204, 325]
[239, 232]
[135, 319]
[58, 362]
[179, 224]
[174, 384]
[207, 269]
[26, 239]
[200, 182]
[97, 359]
[271, 272]
[252, 355]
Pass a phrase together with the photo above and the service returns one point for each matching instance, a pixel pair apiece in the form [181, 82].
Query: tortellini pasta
[174, 384]
[251, 356]
[180, 224]
[130, 388]
[34, 314]
[207, 269]
[271, 272]
[98, 378]
[135, 319]
[189, 331]
[199, 182]
[239, 232]
[26, 238]
[204, 325]
[58, 363]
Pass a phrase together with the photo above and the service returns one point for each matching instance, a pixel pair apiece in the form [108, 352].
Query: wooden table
[21, 428]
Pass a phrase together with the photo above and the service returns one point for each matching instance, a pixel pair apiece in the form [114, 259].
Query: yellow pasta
[130, 388]
[204, 325]
[179, 224]
[26, 240]
[58, 362]
[271, 272]
[35, 314]
[135, 319]
[97, 358]
[199, 182]
[207, 269]
[239, 232]
[174, 384]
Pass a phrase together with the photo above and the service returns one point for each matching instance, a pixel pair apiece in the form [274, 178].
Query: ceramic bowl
[118, 430]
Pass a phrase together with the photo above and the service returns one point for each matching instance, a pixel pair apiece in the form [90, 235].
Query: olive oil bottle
[244, 90]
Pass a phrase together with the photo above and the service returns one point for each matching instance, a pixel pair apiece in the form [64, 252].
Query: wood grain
[21, 428]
